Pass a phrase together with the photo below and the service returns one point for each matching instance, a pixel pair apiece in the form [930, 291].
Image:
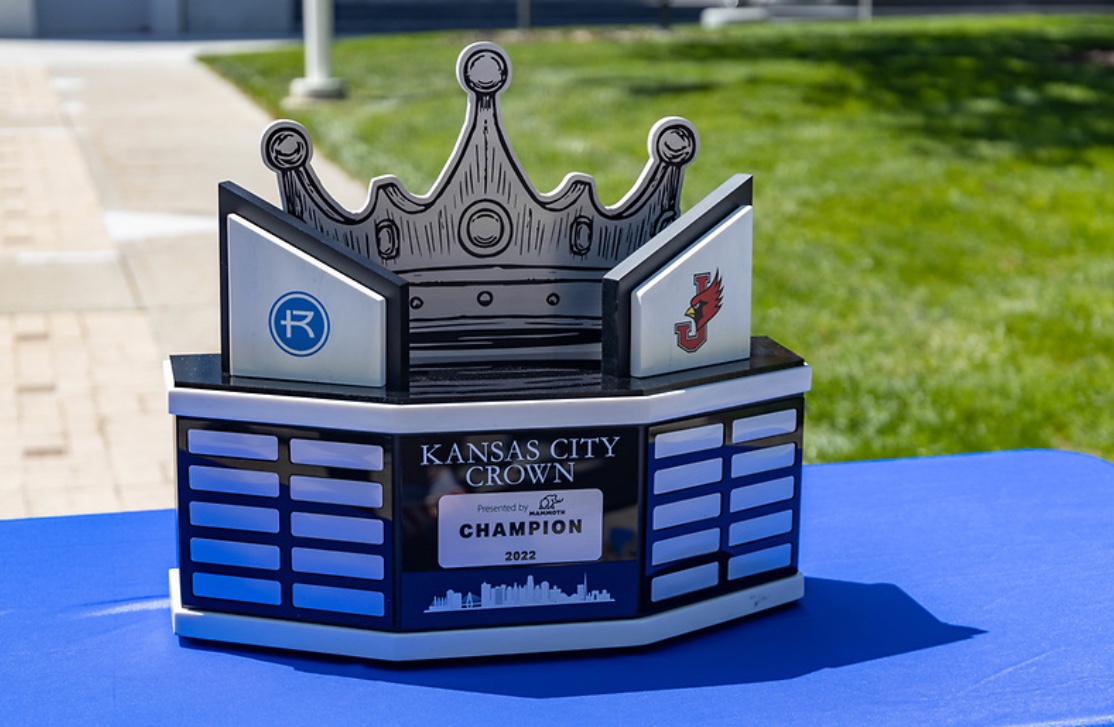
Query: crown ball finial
[484, 69]
[286, 145]
[674, 141]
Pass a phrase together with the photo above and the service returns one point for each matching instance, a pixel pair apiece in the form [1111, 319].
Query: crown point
[674, 141]
[484, 69]
[286, 145]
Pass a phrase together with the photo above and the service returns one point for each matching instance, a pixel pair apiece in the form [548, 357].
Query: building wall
[83, 17]
[17, 18]
[61, 18]
[240, 16]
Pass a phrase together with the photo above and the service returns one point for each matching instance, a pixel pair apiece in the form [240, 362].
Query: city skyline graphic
[517, 595]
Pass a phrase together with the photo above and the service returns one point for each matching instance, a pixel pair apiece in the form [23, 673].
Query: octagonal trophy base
[486, 510]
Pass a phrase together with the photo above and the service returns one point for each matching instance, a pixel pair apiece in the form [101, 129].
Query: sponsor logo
[299, 324]
[550, 502]
[703, 307]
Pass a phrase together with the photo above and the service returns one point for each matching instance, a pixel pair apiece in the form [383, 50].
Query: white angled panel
[684, 441]
[764, 425]
[687, 511]
[767, 526]
[337, 563]
[225, 552]
[234, 588]
[763, 460]
[336, 527]
[696, 310]
[685, 581]
[234, 517]
[336, 492]
[685, 546]
[759, 561]
[216, 443]
[234, 482]
[336, 454]
[763, 493]
[292, 317]
[341, 600]
[689, 475]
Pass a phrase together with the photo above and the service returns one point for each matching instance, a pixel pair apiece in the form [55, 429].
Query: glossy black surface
[480, 382]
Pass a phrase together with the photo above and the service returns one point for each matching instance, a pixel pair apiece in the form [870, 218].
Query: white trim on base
[413, 646]
[477, 416]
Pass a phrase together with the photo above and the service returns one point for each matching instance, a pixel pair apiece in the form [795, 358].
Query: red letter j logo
[703, 307]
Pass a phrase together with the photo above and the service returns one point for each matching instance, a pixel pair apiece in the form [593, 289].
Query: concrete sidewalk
[110, 156]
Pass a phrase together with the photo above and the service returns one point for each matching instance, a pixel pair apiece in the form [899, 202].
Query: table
[973, 589]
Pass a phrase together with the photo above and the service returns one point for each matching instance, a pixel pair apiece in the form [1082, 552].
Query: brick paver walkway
[110, 154]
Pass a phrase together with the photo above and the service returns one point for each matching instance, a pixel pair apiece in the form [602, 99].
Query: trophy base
[458, 643]
[486, 511]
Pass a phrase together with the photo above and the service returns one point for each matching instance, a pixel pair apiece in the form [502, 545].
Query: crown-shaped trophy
[497, 270]
[485, 420]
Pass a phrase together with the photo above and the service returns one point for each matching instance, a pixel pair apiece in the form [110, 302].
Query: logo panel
[299, 324]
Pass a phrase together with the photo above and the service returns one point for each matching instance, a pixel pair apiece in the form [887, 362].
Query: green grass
[934, 198]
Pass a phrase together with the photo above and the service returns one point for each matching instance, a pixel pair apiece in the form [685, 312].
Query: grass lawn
[934, 199]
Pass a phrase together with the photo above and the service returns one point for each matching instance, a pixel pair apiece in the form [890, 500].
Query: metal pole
[665, 14]
[866, 9]
[317, 24]
[525, 14]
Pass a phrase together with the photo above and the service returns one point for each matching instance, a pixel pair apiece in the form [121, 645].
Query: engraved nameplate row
[276, 522]
[723, 499]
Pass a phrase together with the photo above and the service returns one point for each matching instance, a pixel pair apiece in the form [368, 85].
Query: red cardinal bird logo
[702, 308]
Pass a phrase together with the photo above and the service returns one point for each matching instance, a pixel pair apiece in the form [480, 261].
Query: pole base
[316, 89]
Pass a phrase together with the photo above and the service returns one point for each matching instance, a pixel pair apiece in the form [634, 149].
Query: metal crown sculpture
[496, 269]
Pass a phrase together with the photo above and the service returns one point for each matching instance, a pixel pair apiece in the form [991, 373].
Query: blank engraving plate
[509, 528]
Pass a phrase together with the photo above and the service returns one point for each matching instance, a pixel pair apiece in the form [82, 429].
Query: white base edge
[491, 641]
[491, 415]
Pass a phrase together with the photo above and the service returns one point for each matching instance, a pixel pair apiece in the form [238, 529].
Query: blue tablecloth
[971, 589]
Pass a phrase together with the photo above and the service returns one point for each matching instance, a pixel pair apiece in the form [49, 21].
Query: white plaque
[519, 528]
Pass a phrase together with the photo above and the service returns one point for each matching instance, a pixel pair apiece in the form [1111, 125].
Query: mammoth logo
[702, 308]
[549, 502]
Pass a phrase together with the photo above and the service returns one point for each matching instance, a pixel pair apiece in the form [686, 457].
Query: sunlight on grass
[934, 227]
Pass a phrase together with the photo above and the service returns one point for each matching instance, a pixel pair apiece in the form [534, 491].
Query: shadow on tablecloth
[836, 624]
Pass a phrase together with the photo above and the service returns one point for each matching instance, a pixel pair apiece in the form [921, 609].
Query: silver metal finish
[291, 317]
[696, 310]
[498, 271]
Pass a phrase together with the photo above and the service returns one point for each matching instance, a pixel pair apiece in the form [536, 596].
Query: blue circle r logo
[299, 324]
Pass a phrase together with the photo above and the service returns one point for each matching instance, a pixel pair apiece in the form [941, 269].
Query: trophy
[484, 420]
